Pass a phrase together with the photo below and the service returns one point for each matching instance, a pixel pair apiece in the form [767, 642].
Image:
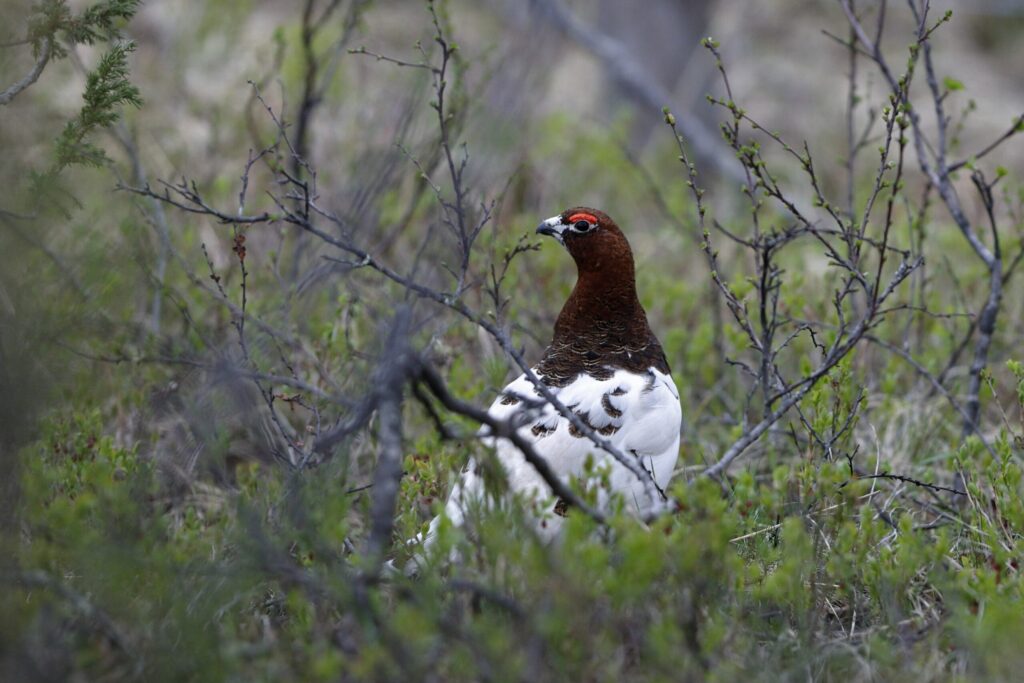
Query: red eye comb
[582, 217]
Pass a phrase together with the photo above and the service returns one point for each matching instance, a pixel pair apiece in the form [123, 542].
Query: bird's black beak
[552, 227]
[545, 229]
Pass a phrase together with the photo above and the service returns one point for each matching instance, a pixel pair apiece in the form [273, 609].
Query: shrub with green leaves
[202, 498]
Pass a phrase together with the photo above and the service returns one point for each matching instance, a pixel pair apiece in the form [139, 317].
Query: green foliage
[952, 84]
[801, 565]
[755, 584]
[56, 22]
[107, 89]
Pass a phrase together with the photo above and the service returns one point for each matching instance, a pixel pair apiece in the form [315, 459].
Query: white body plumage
[639, 414]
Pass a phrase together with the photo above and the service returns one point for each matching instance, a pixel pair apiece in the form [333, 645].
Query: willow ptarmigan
[606, 365]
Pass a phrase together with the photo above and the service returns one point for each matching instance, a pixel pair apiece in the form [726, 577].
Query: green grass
[150, 536]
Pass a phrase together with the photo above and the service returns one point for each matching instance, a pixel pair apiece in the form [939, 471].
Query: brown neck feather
[602, 326]
[599, 300]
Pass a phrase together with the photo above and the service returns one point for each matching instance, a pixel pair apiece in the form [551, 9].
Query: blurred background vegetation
[168, 376]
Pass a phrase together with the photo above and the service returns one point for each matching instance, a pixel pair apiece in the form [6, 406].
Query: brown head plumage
[593, 240]
[602, 326]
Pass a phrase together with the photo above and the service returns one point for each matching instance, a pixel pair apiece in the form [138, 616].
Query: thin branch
[387, 475]
[1016, 127]
[503, 429]
[81, 604]
[932, 380]
[32, 76]
[795, 393]
[910, 480]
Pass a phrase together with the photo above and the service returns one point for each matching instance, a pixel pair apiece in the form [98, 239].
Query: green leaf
[952, 83]
[106, 90]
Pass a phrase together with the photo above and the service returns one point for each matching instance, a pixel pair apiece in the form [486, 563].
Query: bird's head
[592, 239]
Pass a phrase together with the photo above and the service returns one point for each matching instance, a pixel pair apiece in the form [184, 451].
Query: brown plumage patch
[562, 507]
[602, 326]
[607, 430]
[540, 431]
[584, 418]
[649, 384]
[606, 403]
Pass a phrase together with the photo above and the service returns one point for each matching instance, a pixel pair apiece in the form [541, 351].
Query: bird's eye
[581, 226]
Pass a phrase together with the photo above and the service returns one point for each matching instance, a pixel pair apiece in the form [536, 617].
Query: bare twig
[796, 391]
[84, 606]
[779, 395]
[936, 168]
[388, 473]
[503, 429]
[42, 58]
[910, 480]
